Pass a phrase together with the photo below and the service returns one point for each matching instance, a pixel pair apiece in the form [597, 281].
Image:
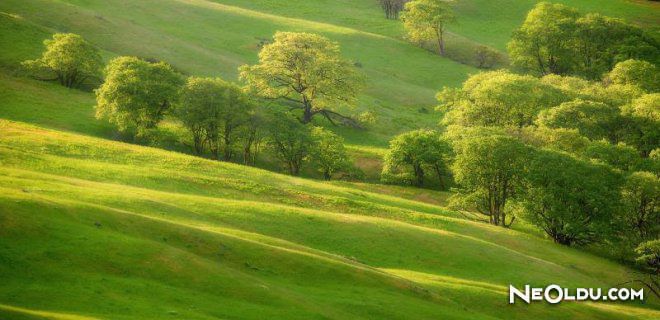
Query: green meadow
[95, 228]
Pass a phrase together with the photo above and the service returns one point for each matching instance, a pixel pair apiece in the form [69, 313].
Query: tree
[620, 156]
[648, 256]
[542, 44]
[636, 72]
[641, 203]
[212, 109]
[136, 94]
[486, 57]
[427, 20]
[69, 59]
[489, 170]
[594, 120]
[419, 150]
[290, 141]
[600, 42]
[498, 98]
[392, 7]
[572, 200]
[556, 39]
[328, 152]
[307, 72]
[253, 134]
[643, 127]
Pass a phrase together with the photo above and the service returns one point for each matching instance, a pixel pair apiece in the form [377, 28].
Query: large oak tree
[307, 72]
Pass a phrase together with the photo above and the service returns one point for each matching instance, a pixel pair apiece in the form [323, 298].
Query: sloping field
[115, 231]
[213, 38]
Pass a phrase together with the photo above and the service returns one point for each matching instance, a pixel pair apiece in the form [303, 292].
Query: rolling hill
[92, 228]
[105, 230]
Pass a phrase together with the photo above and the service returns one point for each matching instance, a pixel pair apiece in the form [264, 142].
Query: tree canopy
[328, 152]
[572, 200]
[69, 59]
[136, 94]
[307, 72]
[555, 38]
[636, 72]
[594, 120]
[641, 205]
[212, 109]
[498, 98]
[489, 169]
[420, 151]
[290, 141]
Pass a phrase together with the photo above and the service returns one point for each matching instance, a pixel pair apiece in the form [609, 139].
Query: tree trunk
[419, 174]
[307, 109]
[199, 143]
[327, 175]
[228, 153]
[441, 41]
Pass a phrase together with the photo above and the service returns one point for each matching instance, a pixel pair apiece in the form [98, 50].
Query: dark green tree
[419, 151]
[290, 141]
[572, 200]
[489, 170]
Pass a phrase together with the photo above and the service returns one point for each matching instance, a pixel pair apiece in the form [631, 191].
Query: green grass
[110, 230]
[96, 229]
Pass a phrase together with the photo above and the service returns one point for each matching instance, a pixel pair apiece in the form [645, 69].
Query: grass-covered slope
[115, 231]
[212, 38]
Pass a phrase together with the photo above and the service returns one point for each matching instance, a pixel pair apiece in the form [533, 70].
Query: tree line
[299, 76]
[575, 150]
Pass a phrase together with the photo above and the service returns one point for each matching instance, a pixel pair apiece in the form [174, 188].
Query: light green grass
[95, 229]
[110, 230]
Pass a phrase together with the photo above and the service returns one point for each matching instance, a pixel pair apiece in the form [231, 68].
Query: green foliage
[620, 155]
[217, 228]
[555, 38]
[649, 256]
[290, 141]
[136, 94]
[305, 71]
[498, 98]
[643, 130]
[328, 152]
[489, 170]
[487, 57]
[542, 44]
[610, 94]
[558, 139]
[426, 20]
[636, 72]
[640, 217]
[572, 200]
[594, 120]
[417, 151]
[69, 59]
[213, 110]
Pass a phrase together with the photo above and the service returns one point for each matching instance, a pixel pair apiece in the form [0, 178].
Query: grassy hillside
[92, 228]
[90, 225]
[214, 37]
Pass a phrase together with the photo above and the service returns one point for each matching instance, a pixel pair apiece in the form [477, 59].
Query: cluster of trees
[301, 72]
[555, 38]
[425, 23]
[577, 158]
[392, 8]
[573, 147]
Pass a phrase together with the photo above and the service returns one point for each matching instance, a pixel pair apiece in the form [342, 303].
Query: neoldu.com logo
[555, 294]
